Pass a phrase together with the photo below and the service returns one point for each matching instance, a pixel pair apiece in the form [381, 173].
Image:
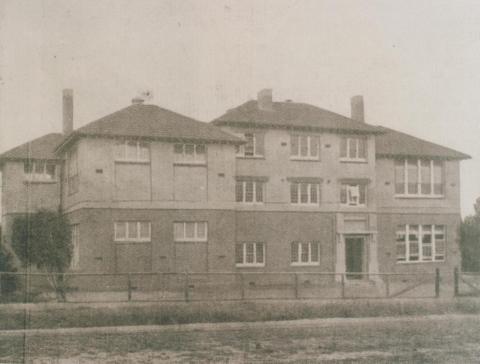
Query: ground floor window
[132, 230]
[305, 253]
[190, 231]
[250, 254]
[420, 243]
[75, 262]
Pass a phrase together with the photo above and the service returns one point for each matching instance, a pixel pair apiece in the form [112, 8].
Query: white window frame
[309, 155]
[244, 255]
[310, 262]
[123, 144]
[241, 147]
[138, 239]
[182, 157]
[244, 190]
[348, 186]
[309, 193]
[195, 238]
[419, 193]
[40, 177]
[357, 158]
[75, 262]
[420, 244]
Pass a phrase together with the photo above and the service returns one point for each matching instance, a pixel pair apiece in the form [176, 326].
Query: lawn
[424, 339]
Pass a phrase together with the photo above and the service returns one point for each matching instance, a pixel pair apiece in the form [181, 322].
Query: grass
[63, 316]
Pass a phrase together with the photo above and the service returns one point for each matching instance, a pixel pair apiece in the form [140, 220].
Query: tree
[8, 283]
[43, 240]
[470, 241]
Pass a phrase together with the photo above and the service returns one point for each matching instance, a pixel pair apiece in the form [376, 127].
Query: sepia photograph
[239, 181]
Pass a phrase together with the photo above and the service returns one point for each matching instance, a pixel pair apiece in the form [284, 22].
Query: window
[418, 178]
[249, 191]
[190, 231]
[190, 153]
[353, 149]
[420, 243]
[304, 147]
[72, 171]
[75, 262]
[305, 253]
[139, 231]
[353, 194]
[39, 170]
[304, 193]
[132, 151]
[250, 254]
[254, 146]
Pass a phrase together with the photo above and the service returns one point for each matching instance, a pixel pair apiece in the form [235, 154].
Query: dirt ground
[427, 339]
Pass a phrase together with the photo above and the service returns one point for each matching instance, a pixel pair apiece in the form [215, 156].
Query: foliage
[470, 241]
[8, 283]
[43, 240]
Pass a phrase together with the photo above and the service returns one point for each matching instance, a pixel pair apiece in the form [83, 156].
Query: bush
[8, 283]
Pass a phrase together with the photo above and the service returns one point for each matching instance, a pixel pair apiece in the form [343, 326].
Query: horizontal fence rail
[212, 286]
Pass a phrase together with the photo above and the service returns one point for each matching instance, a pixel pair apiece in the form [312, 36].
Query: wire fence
[466, 283]
[213, 286]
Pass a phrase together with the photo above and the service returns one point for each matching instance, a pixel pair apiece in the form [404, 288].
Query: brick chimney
[67, 111]
[265, 99]
[358, 113]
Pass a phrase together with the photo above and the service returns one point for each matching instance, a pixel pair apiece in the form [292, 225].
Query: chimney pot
[137, 100]
[67, 111]
[357, 108]
[265, 99]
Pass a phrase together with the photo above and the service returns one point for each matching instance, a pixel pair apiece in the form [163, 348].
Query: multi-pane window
[418, 177]
[132, 151]
[190, 153]
[254, 146]
[72, 171]
[420, 243]
[249, 191]
[250, 254]
[190, 231]
[305, 253]
[75, 262]
[353, 148]
[304, 193]
[39, 170]
[132, 231]
[353, 194]
[304, 147]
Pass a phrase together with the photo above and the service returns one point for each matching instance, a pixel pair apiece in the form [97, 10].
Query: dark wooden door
[354, 256]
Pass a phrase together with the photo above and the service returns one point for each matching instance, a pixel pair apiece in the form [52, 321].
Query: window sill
[353, 206]
[313, 264]
[250, 265]
[250, 157]
[190, 241]
[39, 181]
[315, 204]
[349, 160]
[422, 262]
[132, 161]
[249, 203]
[133, 241]
[300, 159]
[190, 164]
[418, 197]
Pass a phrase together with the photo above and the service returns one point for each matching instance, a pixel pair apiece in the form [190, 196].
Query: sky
[415, 62]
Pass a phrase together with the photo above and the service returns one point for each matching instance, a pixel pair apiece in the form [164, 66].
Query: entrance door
[354, 251]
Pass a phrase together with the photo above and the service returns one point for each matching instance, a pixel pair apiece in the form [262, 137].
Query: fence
[466, 283]
[158, 286]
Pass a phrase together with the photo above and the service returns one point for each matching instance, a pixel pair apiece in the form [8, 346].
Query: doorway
[354, 256]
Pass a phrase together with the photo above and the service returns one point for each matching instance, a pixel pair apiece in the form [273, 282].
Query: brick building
[268, 186]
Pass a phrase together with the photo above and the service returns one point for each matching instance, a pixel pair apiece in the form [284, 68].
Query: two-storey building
[268, 186]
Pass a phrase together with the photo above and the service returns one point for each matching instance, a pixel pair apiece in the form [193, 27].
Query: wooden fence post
[296, 285]
[455, 281]
[129, 286]
[242, 287]
[343, 285]
[186, 287]
[387, 286]
[437, 282]
[0, 284]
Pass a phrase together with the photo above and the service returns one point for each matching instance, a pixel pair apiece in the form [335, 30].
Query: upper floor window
[254, 146]
[139, 231]
[190, 231]
[132, 151]
[353, 149]
[250, 254]
[190, 153]
[353, 194]
[39, 170]
[305, 253]
[418, 177]
[72, 171]
[304, 147]
[304, 193]
[420, 243]
[249, 190]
